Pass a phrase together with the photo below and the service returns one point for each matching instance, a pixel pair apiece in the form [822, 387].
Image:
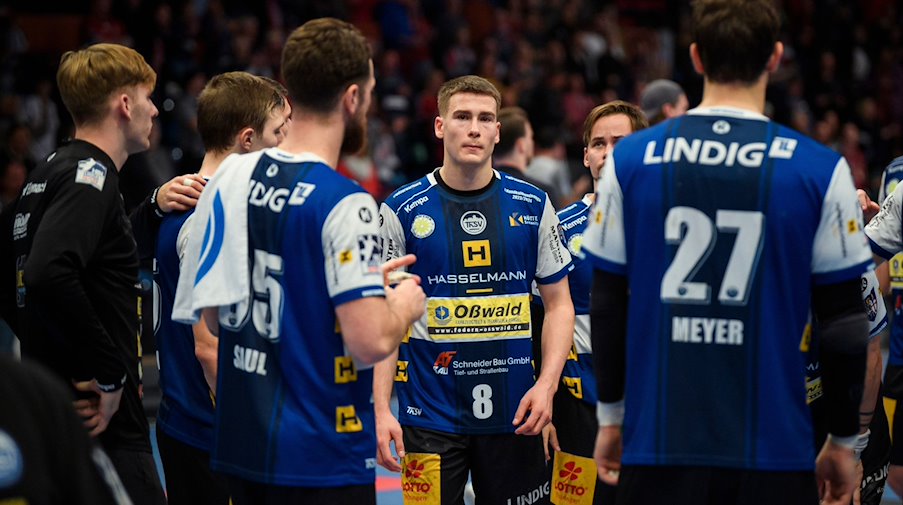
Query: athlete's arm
[180, 193]
[205, 350]
[63, 246]
[387, 427]
[557, 338]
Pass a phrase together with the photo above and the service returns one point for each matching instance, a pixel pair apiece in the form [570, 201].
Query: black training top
[76, 275]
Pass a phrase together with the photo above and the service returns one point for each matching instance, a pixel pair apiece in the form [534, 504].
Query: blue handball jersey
[722, 221]
[577, 375]
[186, 407]
[292, 408]
[468, 361]
[891, 177]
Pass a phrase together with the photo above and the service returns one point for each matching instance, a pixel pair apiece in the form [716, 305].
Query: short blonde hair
[638, 120]
[467, 84]
[87, 77]
[231, 102]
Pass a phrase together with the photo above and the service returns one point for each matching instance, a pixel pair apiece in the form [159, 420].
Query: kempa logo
[473, 222]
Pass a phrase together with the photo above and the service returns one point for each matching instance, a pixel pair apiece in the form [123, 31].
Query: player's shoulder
[894, 168]
[410, 195]
[574, 211]
[519, 190]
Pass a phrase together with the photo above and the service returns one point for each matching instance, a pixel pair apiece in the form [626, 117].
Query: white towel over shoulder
[215, 268]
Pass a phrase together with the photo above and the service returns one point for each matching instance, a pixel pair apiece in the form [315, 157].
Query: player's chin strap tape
[843, 348]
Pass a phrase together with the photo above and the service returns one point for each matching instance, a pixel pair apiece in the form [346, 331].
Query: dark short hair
[231, 102]
[735, 38]
[321, 58]
[514, 123]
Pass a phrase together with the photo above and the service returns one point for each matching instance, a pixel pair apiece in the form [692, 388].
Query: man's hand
[97, 412]
[835, 472]
[387, 430]
[608, 454]
[180, 193]
[406, 299]
[857, 493]
[869, 207]
[550, 439]
[538, 402]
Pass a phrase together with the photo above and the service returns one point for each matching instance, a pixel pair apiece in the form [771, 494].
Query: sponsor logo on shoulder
[416, 203]
[91, 172]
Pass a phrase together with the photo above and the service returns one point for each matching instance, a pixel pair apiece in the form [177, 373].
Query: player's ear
[352, 99]
[697, 61]
[585, 157]
[774, 61]
[438, 127]
[245, 139]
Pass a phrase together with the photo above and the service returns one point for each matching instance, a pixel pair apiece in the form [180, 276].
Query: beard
[355, 139]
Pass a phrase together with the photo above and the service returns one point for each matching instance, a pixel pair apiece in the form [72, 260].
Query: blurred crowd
[556, 59]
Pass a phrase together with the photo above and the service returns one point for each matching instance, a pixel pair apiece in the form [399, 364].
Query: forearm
[608, 326]
[206, 351]
[56, 296]
[145, 219]
[383, 381]
[557, 338]
[872, 384]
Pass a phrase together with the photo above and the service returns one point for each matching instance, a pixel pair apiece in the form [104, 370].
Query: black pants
[692, 485]
[252, 493]
[576, 425]
[504, 468]
[189, 479]
[138, 473]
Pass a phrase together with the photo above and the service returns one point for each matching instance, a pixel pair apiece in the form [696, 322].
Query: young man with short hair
[290, 277]
[707, 264]
[468, 401]
[237, 113]
[76, 259]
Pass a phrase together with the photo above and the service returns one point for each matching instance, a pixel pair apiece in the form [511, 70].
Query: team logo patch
[852, 226]
[272, 170]
[575, 245]
[871, 305]
[365, 215]
[345, 257]
[91, 172]
[721, 127]
[473, 222]
[423, 226]
[20, 225]
[370, 251]
[11, 464]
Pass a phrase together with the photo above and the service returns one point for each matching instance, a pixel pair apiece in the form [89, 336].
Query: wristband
[109, 388]
[610, 414]
[153, 200]
[862, 441]
[846, 442]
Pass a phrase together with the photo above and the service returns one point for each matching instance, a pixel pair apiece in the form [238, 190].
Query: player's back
[287, 390]
[729, 219]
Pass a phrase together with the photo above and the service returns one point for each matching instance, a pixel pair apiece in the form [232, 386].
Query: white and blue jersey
[186, 406]
[293, 409]
[577, 375]
[722, 221]
[468, 361]
[891, 177]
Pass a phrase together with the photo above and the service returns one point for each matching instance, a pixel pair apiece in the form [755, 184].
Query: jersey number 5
[695, 234]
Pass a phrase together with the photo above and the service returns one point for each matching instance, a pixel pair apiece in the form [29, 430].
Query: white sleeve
[182, 239]
[885, 231]
[391, 234]
[874, 303]
[840, 249]
[553, 260]
[352, 250]
[603, 240]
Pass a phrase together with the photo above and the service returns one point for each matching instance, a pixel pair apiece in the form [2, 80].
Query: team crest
[575, 245]
[423, 226]
[871, 305]
[473, 222]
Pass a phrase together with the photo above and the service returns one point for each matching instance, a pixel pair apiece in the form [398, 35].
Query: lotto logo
[420, 482]
[571, 471]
